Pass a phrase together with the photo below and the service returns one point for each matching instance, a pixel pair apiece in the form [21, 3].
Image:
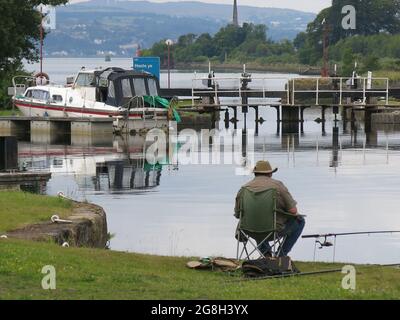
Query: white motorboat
[112, 92]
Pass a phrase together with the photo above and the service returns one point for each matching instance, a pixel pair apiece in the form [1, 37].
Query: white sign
[369, 81]
[49, 16]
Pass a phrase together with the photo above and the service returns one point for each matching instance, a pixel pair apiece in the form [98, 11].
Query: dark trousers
[292, 231]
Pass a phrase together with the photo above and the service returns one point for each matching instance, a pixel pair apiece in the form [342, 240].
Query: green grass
[186, 115]
[184, 103]
[18, 209]
[394, 76]
[101, 274]
[392, 102]
[236, 66]
[9, 112]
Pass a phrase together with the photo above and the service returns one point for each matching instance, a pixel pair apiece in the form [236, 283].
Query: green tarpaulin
[152, 167]
[158, 102]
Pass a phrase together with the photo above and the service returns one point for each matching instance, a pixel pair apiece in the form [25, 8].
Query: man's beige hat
[264, 167]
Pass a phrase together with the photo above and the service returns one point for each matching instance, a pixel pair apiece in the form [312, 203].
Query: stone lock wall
[88, 228]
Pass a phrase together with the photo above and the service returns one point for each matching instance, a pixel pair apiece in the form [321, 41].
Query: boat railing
[135, 102]
[20, 87]
[20, 84]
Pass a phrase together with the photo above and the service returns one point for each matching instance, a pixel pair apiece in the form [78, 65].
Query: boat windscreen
[153, 91]
[85, 80]
[38, 94]
[126, 88]
[111, 90]
[140, 86]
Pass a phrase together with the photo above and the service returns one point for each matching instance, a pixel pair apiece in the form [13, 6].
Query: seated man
[292, 228]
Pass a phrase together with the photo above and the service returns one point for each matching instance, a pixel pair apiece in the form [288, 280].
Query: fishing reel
[324, 244]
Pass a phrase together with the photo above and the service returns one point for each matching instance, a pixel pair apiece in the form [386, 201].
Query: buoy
[42, 79]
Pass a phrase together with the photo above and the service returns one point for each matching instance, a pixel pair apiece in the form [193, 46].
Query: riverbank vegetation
[19, 39]
[18, 209]
[231, 45]
[374, 43]
[374, 46]
[7, 112]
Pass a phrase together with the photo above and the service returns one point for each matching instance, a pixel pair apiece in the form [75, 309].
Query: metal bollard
[63, 196]
[56, 219]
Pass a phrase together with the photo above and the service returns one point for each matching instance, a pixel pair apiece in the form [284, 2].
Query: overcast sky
[304, 5]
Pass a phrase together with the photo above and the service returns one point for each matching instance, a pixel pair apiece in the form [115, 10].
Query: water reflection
[121, 166]
[134, 174]
[335, 160]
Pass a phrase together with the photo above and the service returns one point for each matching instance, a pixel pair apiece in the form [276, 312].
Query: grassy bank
[253, 67]
[394, 76]
[18, 209]
[191, 118]
[8, 112]
[100, 274]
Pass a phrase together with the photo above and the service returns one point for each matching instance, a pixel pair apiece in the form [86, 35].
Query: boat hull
[54, 111]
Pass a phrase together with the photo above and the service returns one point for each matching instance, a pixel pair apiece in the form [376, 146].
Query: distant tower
[138, 51]
[235, 20]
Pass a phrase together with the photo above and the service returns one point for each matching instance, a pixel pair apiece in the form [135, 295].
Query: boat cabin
[45, 94]
[116, 86]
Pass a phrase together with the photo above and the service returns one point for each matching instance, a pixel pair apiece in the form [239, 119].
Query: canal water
[344, 179]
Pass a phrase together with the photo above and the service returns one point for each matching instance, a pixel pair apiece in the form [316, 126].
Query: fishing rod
[290, 275]
[310, 273]
[346, 234]
[325, 243]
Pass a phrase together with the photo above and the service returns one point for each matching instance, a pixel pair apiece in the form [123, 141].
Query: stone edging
[88, 228]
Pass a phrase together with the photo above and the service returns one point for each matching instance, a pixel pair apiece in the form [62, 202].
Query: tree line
[231, 43]
[374, 43]
[19, 34]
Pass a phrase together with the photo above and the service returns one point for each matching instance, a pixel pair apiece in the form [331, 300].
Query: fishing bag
[268, 267]
[218, 263]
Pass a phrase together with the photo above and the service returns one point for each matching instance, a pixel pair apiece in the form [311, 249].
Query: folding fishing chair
[257, 223]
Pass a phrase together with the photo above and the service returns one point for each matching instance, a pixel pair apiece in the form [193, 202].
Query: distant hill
[99, 26]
